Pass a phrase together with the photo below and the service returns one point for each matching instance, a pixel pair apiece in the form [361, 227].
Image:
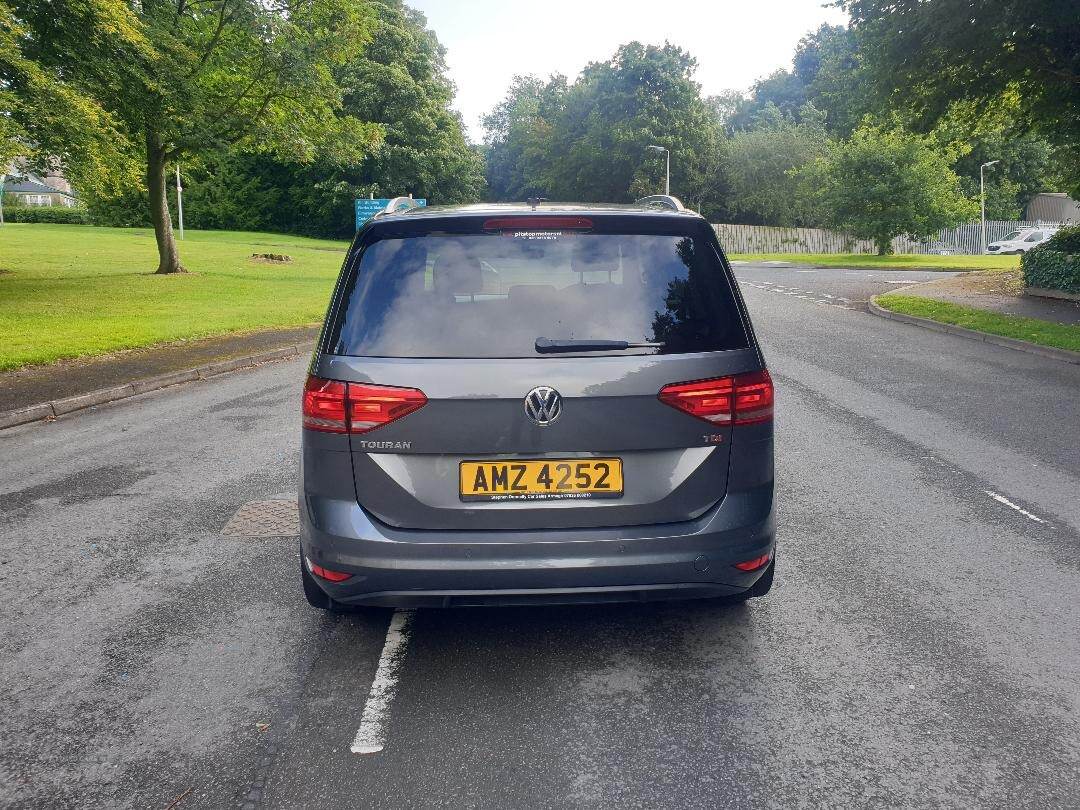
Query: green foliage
[55, 215]
[517, 146]
[761, 167]
[1066, 240]
[176, 78]
[827, 74]
[1026, 162]
[399, 84]
[884, 182]
[1055, 264]
[45, 121]
[924, 56]
[586, 141]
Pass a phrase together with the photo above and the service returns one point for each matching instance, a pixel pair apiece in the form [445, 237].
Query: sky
[735, 42]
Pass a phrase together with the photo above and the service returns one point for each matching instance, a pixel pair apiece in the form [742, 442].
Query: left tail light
[332, 406]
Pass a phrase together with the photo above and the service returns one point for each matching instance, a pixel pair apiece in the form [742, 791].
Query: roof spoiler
[665, 201]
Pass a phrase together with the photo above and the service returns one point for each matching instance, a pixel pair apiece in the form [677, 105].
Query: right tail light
[742, 399]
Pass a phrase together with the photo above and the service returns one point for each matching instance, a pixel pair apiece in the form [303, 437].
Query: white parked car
[1021, 241]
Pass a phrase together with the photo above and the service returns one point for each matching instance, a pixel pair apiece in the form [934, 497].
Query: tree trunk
[884, 245]
[168, 257]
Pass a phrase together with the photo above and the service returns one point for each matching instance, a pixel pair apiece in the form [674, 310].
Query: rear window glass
[493, 295]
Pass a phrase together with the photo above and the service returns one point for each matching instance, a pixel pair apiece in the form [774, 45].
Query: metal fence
[769, 239]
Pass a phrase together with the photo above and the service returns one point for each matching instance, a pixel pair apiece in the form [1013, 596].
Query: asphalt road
[920, 647]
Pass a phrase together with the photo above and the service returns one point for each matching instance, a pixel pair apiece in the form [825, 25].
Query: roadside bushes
[52, 215]
[1055, 264]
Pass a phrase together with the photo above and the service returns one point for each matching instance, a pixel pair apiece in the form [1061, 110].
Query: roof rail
[399, 204]
[660, 201]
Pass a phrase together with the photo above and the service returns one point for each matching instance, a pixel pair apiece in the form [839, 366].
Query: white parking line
[1007, 502]
[371, 737]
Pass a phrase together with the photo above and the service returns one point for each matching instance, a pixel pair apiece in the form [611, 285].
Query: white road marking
[371, 737]
[1010, 504]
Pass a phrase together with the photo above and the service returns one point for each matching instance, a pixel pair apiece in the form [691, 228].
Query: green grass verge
[898, 261]
[75, 290]
[1032, 330]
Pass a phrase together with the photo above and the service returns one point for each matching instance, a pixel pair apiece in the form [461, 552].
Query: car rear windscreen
[493, 295]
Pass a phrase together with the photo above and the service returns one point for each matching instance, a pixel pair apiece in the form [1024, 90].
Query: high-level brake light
[743, 399]
[538, 223]
[332, 406]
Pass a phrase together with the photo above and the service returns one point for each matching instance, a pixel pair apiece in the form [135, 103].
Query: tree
[884, 182]
[1025, 162]
[587, 140]
[924, 56]
[399, 83]
[518, 157]
[44, 122]
[761, 167]
[181, 77]
[827, 72]
[828, 63]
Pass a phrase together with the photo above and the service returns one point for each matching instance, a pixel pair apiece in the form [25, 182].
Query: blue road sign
[366, 209]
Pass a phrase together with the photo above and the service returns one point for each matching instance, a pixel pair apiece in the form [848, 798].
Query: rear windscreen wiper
[547, 346]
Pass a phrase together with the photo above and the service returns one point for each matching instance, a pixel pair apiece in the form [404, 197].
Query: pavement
[918, 649]
[29, 386]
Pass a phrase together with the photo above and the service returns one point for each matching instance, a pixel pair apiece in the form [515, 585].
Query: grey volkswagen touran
[522, 404]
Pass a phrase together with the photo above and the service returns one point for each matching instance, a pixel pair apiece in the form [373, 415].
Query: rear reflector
[538, 223]
[744, 399]
[326, 573]
[332, 406]
[754, 564]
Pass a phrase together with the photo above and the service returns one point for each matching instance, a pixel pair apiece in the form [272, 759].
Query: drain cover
[264, 519]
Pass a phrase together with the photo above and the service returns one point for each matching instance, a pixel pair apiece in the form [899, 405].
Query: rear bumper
[411, 568]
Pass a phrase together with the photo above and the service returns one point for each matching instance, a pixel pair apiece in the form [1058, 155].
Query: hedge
[54, 215]
[1055, 264]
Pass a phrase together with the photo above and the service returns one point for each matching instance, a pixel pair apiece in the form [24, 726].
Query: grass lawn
[981, 320]
[76, 290]
[898, 261]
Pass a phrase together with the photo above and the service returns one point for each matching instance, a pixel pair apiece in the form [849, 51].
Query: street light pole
[982, 198]
[667, 175]
[179, 201]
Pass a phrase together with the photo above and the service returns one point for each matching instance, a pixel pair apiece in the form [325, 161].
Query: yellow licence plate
[541, 479]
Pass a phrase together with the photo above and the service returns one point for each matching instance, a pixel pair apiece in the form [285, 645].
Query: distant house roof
[28, 186]
[1052, 207]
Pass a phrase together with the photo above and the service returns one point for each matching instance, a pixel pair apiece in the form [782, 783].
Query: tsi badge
[543, 405]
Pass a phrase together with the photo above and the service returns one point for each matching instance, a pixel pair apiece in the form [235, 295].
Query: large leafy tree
[518, 130]
[181, 77]
[1025, 162]
[45, 122]
[399, 81]
[761, 166]
[826, 72]
[643, 95]
[924, 56]
[884, 182]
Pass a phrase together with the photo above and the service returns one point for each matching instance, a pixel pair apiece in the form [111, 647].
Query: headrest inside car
[458, 275]
[594, 255]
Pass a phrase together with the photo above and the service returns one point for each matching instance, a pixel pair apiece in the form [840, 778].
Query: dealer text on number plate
[541, 479]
